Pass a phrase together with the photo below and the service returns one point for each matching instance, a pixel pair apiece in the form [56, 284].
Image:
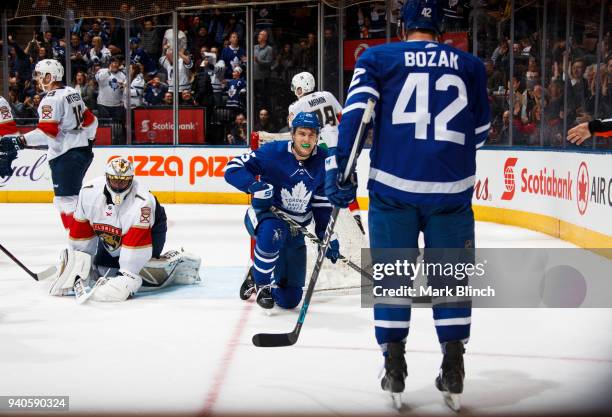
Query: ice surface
[188, 349]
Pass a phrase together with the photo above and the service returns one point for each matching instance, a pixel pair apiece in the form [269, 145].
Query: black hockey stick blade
[274, 339]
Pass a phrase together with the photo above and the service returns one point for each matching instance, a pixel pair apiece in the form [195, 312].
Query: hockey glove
[118, 288]
[263, 194]
[12, 143]
[340, 195]
[333, 251]
[6, 158]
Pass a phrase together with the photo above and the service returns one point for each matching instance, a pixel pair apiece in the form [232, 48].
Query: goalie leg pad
[171, 267]
[117, 288]
[73, 264]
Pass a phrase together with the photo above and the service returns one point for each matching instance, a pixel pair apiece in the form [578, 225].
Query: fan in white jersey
[118, 232]
[67, 128]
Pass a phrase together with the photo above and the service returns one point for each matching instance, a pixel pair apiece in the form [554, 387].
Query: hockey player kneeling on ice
[116, 239]
[292, 176]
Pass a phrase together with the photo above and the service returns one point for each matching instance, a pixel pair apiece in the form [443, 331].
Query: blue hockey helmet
[304, 119]
[423, 15]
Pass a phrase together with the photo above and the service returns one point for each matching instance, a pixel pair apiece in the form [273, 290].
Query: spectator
[216, 79]
[238, 135]
[168, 40]
[19, 63]
[184, 76]
[150, 39]
[155, 92]
[30, 108]
[48, 42]
[234, 26]
[202, 84]
[233, 55]
[88, 93]
[96, 31]
[168, 99]
[202, 52]
[235, 90]
[136, 86]
[264, 123]
[140, 56]
[186, 99]
[202, 39]
[78, 54]
[99, 54]
[262, 61]
[111, 84]
[495, 78]
[284, 64]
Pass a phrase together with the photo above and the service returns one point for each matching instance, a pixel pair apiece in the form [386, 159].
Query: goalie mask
[119, 179]
[50, 67]
[302, 83]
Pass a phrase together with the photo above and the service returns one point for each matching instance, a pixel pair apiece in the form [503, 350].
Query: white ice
[188, 349]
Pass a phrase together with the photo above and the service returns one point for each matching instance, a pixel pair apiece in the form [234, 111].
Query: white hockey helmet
[302, 83]
[119, 178]
[48, 66]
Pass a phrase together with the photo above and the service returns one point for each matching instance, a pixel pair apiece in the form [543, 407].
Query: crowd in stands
[212, 61]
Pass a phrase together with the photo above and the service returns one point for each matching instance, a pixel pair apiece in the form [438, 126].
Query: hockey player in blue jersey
[431, 116]
[291, 178]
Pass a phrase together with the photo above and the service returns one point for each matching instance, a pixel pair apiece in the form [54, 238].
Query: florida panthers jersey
[7, 123]
[65, 120]
[298, 185]
[125, 230]
[321, 103]
[432, 113]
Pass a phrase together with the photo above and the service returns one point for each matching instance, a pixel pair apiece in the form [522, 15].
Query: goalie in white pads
[118, 233]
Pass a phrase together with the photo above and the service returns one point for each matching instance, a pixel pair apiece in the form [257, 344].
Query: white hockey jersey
[125, 230]
[65, 122]
[111, 86]
[7, 123]
[322, 103]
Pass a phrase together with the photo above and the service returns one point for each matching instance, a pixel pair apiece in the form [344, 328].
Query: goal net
[335, 278]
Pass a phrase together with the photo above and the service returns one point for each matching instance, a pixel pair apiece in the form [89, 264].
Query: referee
[580, 133]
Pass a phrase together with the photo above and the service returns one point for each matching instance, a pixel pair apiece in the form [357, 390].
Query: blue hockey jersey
[431, 115]
[298, 185]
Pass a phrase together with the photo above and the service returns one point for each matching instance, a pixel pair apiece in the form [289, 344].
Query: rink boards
[564, 194]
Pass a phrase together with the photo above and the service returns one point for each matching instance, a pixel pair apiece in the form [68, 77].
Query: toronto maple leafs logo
[297, 200]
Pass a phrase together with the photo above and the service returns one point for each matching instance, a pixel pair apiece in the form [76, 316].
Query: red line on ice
[226, 361]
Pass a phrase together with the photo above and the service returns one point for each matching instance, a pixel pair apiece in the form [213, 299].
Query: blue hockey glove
[263, 193]
[12, 143]
[340, 195]
[6, 158]
[333, 250]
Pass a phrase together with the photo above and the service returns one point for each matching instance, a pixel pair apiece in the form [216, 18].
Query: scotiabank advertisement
[573, 187]
[155, 125]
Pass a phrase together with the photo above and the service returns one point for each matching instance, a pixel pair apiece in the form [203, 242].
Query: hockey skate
[395, 372]
[248, 286]
[450, 379]
[264, 297]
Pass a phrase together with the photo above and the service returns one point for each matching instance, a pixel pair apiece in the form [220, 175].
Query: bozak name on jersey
[298, 185]
[125, 230]
[432, 114]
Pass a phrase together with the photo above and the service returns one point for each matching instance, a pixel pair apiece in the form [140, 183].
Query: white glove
[117, 288]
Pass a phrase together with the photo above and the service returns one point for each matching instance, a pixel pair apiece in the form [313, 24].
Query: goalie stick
[288, 339]
[37, 276]
[314, 239]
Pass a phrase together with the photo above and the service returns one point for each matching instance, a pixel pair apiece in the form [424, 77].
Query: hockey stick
[288, 339]
[314, 239]
[82, 294]
[37, 276]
